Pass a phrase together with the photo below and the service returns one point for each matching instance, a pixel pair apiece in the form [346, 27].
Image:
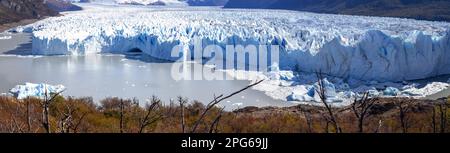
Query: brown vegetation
[114, 115]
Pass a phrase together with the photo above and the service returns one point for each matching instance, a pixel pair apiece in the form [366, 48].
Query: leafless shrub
[403, 109]
[329, 116]
[216, 101]
[361, 108]
[151, 114]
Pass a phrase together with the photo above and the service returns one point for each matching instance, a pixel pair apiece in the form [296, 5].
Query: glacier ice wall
[365, 48]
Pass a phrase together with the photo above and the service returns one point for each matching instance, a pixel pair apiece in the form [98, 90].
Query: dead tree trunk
[361, 109]
[215, 124]
[45, 120]
[380, 125]
[121, 112]
[323, 98]
[183, 122]
[45, 106]
[66, 120]
[433, 120]
[28, 116]
[443, 117]
[403, 110]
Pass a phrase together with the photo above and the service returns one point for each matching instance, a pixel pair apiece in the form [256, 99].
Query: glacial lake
[108, 75]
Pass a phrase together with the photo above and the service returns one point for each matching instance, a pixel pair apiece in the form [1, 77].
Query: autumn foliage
[115, 115]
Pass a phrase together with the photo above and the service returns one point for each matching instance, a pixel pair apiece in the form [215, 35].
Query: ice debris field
[357, 53]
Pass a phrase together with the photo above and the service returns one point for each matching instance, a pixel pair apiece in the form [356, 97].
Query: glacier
[351, 48]
[366, 48]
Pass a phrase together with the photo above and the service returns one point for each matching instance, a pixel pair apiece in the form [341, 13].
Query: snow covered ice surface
[35, 90]
[358, 52]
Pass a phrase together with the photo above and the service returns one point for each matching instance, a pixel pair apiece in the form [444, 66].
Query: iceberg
[35, 90]
[300, 94]
[310, 93]
[391, 91]
[429, 89]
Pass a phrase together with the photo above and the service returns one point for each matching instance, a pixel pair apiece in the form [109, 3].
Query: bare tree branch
[182, 102]
[322, 94]
[443, 116]
[403, 110]
[148, 118]
[215, 123]
[361, 108]
[121, 111]
[216, 101]
[75, 128]
[45, 112]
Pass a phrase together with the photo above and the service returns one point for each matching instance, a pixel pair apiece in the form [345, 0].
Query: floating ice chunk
[6, 94]
[5, 37]
[373, 93]
[280, 75]
[300, 94]
[35, 90]
[276, 74]
[391, 91]
[429, 89]
[237, 104]
[306, 94]
[330, 89]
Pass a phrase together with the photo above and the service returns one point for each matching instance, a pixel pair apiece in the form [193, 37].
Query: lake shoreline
[8, 26]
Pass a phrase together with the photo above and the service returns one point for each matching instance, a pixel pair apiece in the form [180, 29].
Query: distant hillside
[174, 2]
[206, 2]
[157, 2]
[16, 10]
[436, 10]
[61, 5]
[250, 3]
